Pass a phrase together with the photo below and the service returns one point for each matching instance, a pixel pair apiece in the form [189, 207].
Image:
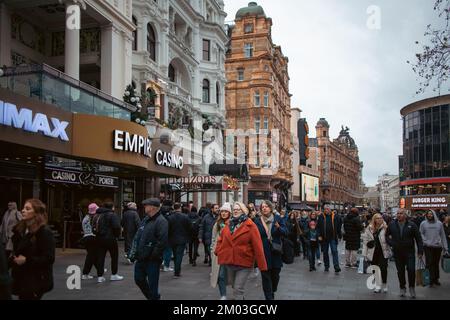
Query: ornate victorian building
[258, 102]
[340, 168]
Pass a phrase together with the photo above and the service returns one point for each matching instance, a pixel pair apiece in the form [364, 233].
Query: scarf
[236, 222]
[269, 221]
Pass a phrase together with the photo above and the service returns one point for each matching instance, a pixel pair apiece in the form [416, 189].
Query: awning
[238, 171]
[299, 206]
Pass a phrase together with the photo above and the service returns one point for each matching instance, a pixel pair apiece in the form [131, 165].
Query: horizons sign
[125, 141]
[23, 119]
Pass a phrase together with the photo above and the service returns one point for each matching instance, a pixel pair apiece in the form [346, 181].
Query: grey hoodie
[433, 234]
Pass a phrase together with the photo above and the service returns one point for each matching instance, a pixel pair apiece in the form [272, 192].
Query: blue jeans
[222, 281]
[146, 277]
[167, 255]
[334, 251]
[178, 252]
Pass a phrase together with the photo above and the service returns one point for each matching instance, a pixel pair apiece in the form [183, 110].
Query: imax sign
[24, 119]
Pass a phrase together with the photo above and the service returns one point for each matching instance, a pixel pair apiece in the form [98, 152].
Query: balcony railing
[52, 86]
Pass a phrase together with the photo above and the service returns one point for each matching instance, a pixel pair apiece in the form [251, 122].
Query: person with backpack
[272, 229]
[147, 250]
[193, 242]
[106, 226]
[11, 217]
[130, 223]
[329, 227]
[179, 234]
[205, 231]
[89, 241]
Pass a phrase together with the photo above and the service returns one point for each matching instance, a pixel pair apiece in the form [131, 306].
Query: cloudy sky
[348, 73]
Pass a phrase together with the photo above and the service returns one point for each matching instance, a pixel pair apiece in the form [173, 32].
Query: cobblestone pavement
[296, 283]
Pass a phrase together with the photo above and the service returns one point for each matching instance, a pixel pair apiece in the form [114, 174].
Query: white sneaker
[129, 261]
[223, 298]
[377, 290]
[86, 277]
[116, 277]
[319, 262]
[168, 269]
[385, 288]
[101, 279]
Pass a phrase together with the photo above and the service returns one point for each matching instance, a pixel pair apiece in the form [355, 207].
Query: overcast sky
[348, 73]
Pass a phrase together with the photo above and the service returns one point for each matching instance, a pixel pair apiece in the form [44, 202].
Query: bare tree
[433, 64]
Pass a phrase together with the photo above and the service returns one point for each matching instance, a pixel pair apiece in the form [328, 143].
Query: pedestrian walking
[376, 249]
[11, 217]
[90, 242]
[219, 272]
[329, 227]
[193, 242]
[238, 247]
[205, 231]
[165, 210]
[130, 223]
[179, 235]
[434, 242]
[403, 236]
[313, 217]
[312, 242]
[107, 229]
[147, 250]
[294, 232]
[272, 229]
[303, 222]
[352, 237]
[33, 253]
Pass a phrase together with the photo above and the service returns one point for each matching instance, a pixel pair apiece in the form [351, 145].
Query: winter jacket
[242, 248]
[215, 266]
[312, 238]
[205, 230]
[9, 220]
[273, 259]
[433, 234]
[352, 231]
[5, 278]
[404, 243]
[152, 238]
[303, 223]
[369, 236]
[336, 226]
[36, 275]
[130, 223]
[86, 224]
[179, 229]
[195, 224]
[108, 224]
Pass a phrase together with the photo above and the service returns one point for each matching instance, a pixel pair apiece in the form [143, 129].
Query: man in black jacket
[179, 234]
[130, 224]
[329, 227]
[148, 247]
[106, 227]
[193, 241]
[401, 235]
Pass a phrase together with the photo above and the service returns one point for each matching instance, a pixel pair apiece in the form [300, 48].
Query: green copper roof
[252, 9]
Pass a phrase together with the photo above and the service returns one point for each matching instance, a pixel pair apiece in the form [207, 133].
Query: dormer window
[248, 28]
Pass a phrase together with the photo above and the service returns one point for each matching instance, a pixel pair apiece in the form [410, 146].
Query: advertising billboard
[309, 188]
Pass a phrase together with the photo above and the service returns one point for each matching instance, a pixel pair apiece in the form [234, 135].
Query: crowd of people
[238, 241]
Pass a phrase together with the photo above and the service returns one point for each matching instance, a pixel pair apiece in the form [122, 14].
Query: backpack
[96, 224]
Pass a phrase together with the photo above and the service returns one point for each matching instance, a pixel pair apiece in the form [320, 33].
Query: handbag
[445, 263]
[422, 274]
[277, 247]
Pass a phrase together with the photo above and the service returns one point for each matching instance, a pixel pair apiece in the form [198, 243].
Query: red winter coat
[242, 248]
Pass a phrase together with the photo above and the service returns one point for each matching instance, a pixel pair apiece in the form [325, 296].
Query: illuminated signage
[125, 141]
[24, 119]
[170, 160]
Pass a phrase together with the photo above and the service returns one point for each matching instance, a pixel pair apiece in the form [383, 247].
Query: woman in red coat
[238, 247]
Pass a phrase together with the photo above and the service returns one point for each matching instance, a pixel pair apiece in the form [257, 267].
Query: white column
[5, 36]
[72, 49]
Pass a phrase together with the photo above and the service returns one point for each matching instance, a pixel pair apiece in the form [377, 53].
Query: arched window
[151, 42]
[135, 34]
[171, 73]
[218, 94]
[205, 91]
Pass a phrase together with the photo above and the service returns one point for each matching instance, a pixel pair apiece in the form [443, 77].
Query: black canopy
[299, 206]
[238, 171]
